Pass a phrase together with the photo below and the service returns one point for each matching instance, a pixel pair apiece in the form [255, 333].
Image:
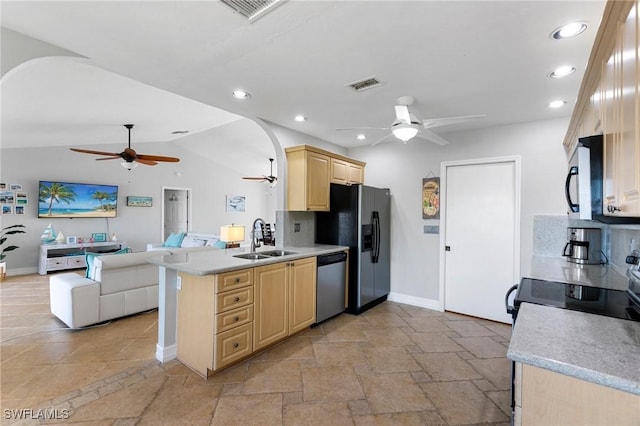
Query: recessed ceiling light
[570, 30]
[556, 104]
[361, 137]
[241, 94]
[562, 71]
[300, 118]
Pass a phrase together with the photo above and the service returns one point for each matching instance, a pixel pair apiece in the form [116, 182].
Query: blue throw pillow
[89, 258]
[123, 251]
[174, 240]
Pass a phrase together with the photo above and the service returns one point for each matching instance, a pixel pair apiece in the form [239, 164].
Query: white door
[176, 211]
[481, 236]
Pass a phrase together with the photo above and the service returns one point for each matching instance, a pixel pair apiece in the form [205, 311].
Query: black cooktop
[593, 300]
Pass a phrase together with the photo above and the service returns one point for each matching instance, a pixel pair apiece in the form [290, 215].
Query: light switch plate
[431, 229]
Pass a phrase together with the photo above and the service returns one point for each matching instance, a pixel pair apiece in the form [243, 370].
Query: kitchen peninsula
[225, 293]
[574, 367]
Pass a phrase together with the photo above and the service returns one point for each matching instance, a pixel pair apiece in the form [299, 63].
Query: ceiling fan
[271, 178]
[129, 155]
[406, 126]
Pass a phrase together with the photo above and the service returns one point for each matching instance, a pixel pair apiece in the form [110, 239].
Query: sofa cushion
[174, 240]
[90, 257]
[127, 271]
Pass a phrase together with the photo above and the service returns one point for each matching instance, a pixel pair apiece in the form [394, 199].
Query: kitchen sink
[277, 253]
[251, 256]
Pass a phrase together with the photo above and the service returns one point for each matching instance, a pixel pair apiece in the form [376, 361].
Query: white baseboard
[416, 301]
[21, 271]
[164, 354]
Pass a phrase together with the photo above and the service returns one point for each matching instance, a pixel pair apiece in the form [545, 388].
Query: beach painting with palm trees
[65, 199]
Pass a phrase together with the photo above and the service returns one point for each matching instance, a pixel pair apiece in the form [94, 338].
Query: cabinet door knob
[236, 319]
[235, 345]
[237, 280]
[237, 299]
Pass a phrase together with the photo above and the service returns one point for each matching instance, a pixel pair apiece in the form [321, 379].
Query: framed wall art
[431, 198]
[136, 201]
[99, 237]
[236, 203]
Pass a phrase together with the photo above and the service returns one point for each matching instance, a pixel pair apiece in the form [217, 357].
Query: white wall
[400, 167]
[209, 165]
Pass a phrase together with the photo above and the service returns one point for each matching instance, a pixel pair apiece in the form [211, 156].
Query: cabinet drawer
[234, 299]
[232, 319]
[56, 263]
[76, 262]
[232, 345]
[233, 280]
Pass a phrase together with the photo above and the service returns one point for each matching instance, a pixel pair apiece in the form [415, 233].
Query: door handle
[447, 248]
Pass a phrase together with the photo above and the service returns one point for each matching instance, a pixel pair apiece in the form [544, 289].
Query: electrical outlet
[296, 227]
[179, 284]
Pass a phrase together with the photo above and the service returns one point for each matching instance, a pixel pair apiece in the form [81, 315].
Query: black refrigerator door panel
[382, 271]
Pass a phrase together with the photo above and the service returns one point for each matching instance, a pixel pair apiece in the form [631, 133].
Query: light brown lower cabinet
[544, 397]
[226, 317]
[285, 300]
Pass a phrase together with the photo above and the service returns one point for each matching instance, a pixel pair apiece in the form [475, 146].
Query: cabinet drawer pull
[235, 345]
[236, 319]
[237, 299]
[237, 280]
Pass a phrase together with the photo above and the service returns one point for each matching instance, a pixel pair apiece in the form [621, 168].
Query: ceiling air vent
[361, 85]
[253, 9]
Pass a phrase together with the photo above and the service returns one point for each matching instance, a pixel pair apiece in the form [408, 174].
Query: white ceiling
[454, 57]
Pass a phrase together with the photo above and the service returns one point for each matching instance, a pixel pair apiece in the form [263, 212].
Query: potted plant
[9, 230]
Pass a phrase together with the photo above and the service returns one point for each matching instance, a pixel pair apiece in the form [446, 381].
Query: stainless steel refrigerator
[360, 218]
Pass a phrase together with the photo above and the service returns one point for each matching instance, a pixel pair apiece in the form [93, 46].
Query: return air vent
[365, 84]
[253, 9]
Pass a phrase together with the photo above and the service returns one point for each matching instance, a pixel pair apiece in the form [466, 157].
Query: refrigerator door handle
[375, 253]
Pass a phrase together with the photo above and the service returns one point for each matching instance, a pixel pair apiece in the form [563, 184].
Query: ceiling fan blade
[444, 121]
[402, 114]
[382, 139]
[157, 158]
[254, 178]
[115, 157]
[89, 151]
[364, 128]
[145, 161]
[432, 137]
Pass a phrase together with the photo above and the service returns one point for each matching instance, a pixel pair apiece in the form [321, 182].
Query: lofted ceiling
[454, 57]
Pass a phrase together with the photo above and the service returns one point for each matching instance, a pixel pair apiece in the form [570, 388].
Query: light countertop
[209, 262]
[558, 269]
[589, 347]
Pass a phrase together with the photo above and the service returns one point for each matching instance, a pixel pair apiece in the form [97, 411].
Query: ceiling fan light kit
[405, 132]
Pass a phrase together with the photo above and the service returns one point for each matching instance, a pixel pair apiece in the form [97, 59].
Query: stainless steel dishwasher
[330, 292]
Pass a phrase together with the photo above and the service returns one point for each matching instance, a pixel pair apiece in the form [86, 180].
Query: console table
[56, 257]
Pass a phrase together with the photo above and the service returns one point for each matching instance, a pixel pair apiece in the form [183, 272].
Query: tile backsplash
[550, 237]
[295, 228]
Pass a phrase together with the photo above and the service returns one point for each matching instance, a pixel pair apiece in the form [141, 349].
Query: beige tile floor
[393, 365]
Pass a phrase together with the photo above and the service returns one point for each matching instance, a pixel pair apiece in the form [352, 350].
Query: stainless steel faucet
[255, 245]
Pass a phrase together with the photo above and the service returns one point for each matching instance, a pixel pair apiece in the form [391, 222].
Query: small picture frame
[19, 210]
[236, 203]
[72, 240]
[137, 201]
[99, 237]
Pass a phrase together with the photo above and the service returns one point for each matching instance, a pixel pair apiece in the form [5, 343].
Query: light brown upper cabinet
[345, 172]
[310, 172]
[609, 104]
[620, 117]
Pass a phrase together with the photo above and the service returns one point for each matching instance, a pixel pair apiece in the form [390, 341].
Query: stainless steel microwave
[584, 187]
[578, 184]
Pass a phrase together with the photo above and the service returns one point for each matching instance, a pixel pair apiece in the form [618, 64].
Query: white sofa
[118, 285]
[192, 241]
